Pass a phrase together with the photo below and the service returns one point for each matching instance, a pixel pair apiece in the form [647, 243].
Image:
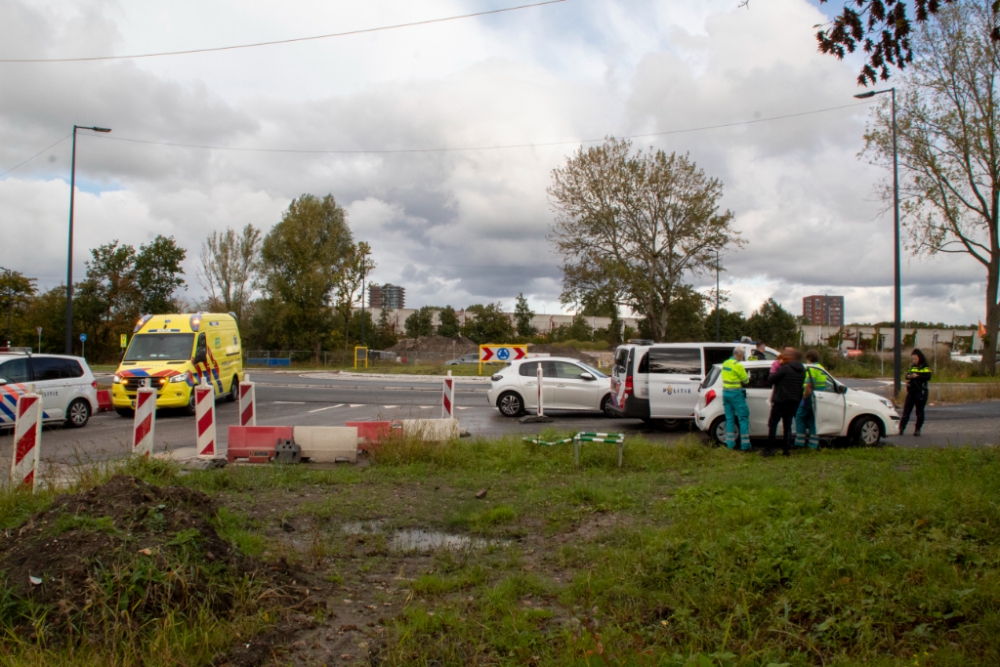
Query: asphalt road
[327, 399]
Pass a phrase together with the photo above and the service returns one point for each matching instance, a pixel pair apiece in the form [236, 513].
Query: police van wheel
[718, 431]
[234, 390]
[78, 413]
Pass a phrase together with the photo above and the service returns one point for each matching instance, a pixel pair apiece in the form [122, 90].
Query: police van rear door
[674, 373]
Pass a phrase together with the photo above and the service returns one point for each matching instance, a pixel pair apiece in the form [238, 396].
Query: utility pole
[718, 322]
[10, 301]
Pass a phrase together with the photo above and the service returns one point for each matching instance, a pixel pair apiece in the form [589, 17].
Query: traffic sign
[501, 354]
[124, 341]
[38, 330]
[83, 338]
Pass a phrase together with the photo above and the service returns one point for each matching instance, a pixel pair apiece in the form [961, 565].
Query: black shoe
[917, 432]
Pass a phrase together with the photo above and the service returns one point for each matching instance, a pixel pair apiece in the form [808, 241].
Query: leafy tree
[949, 156]
[601, 303]
[580, 328]
[348, 285]
[883, 29]
[16, 292]
[687, 321]
[773, 324]
[635, 225]
[48, 310]
[488, 324]
[228, 269]
[385, 331]
[157, 274]
[303, 260]
[448, 323]
[522, 317]
[420, 323]
[732, 325]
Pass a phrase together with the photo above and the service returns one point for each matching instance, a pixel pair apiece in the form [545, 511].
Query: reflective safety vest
[817, 376]
[734, 376]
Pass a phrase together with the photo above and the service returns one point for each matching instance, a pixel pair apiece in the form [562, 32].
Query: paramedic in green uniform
[734, 400]
[805, 417]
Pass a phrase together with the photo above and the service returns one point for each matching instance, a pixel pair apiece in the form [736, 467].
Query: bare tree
[636, 225]
[949, 153]
[229, 265]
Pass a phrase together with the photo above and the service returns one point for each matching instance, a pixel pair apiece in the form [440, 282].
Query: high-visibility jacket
[734, 376]
[816, 377]
[918, 383]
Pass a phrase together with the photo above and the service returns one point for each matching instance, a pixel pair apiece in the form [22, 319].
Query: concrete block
[255, 443]
[432, 430]
[327, 444]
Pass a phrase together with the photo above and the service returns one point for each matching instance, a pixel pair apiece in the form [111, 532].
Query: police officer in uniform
[916, 390]
[734, 400]
[805, 417]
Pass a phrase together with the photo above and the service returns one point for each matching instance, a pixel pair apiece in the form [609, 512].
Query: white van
[661, 380]
[66, 384]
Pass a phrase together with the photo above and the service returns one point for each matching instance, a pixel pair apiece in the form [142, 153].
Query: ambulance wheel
[510, 404]
[234, 390]
[718, 431]
[78, 413]
[125, 412]
[190, 407]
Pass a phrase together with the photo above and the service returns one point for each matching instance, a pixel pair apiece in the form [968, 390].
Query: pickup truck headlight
[179, 378]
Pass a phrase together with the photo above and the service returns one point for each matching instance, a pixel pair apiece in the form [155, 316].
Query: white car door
[572, 392]
[831, 408]
[47, 376]
[758, 397]
[674, 376]
[527, 373]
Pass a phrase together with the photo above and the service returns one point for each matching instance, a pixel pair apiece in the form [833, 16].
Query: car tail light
[628, 385]
[94, 384]
[709, 397]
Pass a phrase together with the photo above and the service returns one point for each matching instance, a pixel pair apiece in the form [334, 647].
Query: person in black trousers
[916, 390]
[788, 381]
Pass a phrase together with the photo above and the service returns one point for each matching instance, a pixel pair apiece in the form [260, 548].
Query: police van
[661, 380]
[174, 353]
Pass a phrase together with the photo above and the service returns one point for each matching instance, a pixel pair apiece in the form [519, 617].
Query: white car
[840, 412]
[67, 387]
[567, 384]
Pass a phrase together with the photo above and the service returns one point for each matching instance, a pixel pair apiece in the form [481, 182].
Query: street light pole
[10, 299]
[69, 253]
[897, 335]
[718, 322]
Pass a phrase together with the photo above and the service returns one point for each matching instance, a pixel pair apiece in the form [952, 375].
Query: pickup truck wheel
[866, 431]
[510, 404]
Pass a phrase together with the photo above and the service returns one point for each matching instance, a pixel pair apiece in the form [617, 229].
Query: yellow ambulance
[175, 353]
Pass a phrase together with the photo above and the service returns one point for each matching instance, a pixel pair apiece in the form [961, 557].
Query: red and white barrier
[27, 439]
[248, 403]
[204, 417]
[144, 426]
[448, 397]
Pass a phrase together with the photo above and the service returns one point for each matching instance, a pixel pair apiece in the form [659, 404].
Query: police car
[840, 412]
[66, 384]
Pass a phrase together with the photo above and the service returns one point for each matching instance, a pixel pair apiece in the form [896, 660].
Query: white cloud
[454, 227]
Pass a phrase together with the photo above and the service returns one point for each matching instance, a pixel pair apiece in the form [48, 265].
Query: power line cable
[468, 148]
[44, 150]
[279, 41]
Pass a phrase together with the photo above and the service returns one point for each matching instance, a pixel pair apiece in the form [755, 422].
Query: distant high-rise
[827, 311]
[390, 297]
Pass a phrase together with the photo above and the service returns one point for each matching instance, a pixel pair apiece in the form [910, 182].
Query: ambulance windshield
[160, 347]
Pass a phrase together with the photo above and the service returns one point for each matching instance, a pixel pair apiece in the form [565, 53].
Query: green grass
[687, 556]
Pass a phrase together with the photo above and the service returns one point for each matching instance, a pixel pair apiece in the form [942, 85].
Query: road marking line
[458, 408]
[356, 405]
[390, 406]
[289, 402]
[330, 407]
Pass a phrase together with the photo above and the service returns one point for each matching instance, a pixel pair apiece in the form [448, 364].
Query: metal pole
[363, 309]
[69, 253]
[10, 300]
[897, 343]
[718, 324]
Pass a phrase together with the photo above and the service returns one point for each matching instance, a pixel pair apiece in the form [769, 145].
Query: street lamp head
[862, 96]
[101, 129]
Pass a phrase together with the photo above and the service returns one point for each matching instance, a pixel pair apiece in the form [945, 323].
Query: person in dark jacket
[787, 381]
[916, 390]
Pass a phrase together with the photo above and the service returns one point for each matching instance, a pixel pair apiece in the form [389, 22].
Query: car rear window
[51, 368]
[530, 368]
[758, 378]
[674, 360]
[711, 378]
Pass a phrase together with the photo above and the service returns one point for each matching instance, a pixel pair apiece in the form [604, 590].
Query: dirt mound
[434, 345]
[61, 553]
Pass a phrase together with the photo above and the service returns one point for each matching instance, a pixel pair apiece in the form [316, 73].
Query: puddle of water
[417, 539]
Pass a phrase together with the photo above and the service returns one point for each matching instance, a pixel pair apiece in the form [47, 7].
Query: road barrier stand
[448, 397]
[248, 402]
[539, 441]
[204, 412]
[27, 439]
[611, 438]
[144, 426]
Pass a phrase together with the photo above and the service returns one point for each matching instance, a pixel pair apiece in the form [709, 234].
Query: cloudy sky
[461, 226]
